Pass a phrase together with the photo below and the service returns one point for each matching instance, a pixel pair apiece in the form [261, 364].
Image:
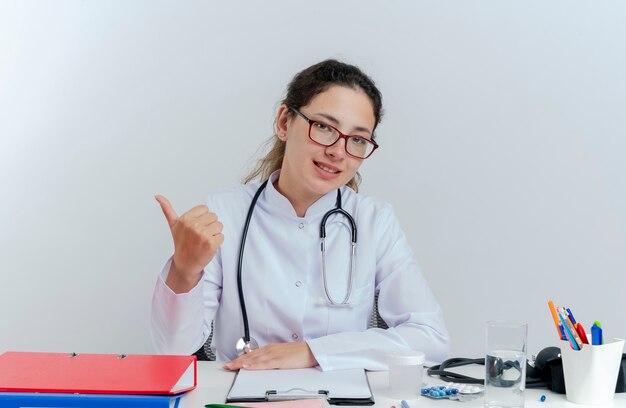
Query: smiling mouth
[326, 169]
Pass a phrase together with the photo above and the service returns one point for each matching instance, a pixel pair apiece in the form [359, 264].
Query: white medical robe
[284, 288]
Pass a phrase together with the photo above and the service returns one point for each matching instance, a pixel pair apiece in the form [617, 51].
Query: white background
[502, 150]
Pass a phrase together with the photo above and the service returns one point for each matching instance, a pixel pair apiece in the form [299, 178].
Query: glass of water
[505, 364]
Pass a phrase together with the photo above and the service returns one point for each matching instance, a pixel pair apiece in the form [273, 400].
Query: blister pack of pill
[453, 391]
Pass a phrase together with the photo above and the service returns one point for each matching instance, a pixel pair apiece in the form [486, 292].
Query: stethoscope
[247, 343]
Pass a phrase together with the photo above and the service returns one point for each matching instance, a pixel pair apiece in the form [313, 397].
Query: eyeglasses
[324, 134]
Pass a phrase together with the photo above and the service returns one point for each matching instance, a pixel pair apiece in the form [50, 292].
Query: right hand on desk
[275, 356]
[197, 236]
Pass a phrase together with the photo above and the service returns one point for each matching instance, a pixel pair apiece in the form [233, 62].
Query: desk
[214, 383]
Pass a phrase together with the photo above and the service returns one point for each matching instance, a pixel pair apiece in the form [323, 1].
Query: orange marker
[555, 318]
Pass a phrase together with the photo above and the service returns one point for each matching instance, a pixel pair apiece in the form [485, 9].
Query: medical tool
[247, 343]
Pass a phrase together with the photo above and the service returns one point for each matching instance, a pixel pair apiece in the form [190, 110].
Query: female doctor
[272, 285]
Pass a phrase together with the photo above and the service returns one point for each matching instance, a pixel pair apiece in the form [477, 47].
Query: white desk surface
[214, 383]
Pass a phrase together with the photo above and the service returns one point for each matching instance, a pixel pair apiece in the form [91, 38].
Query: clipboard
[97, 373]
[339, 387]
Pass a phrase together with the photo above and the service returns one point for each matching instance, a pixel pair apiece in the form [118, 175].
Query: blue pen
[571, 316]
[405, 404]
[568, 334]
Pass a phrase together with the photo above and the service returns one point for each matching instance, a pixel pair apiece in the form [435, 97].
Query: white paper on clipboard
[254, 385]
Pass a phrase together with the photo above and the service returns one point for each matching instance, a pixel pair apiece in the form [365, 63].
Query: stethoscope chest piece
[244, 347]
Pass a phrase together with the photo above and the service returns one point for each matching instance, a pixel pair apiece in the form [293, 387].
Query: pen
[222, 406]
[568, 323]
[571, 316]
[557, 324]
[405, 404]
[568, 332]
[571, 326]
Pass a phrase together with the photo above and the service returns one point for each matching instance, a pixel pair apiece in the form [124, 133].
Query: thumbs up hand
[197, 236]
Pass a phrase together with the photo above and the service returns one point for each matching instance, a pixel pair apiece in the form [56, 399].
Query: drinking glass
[505, 364]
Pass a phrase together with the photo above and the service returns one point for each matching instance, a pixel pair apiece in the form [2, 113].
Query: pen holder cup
[591, 372]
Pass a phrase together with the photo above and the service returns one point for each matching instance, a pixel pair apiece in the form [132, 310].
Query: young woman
[251, 259]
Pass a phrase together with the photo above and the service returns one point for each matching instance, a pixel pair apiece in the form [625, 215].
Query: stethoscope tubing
[248, 342]
[242, 301]
[338, 210]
